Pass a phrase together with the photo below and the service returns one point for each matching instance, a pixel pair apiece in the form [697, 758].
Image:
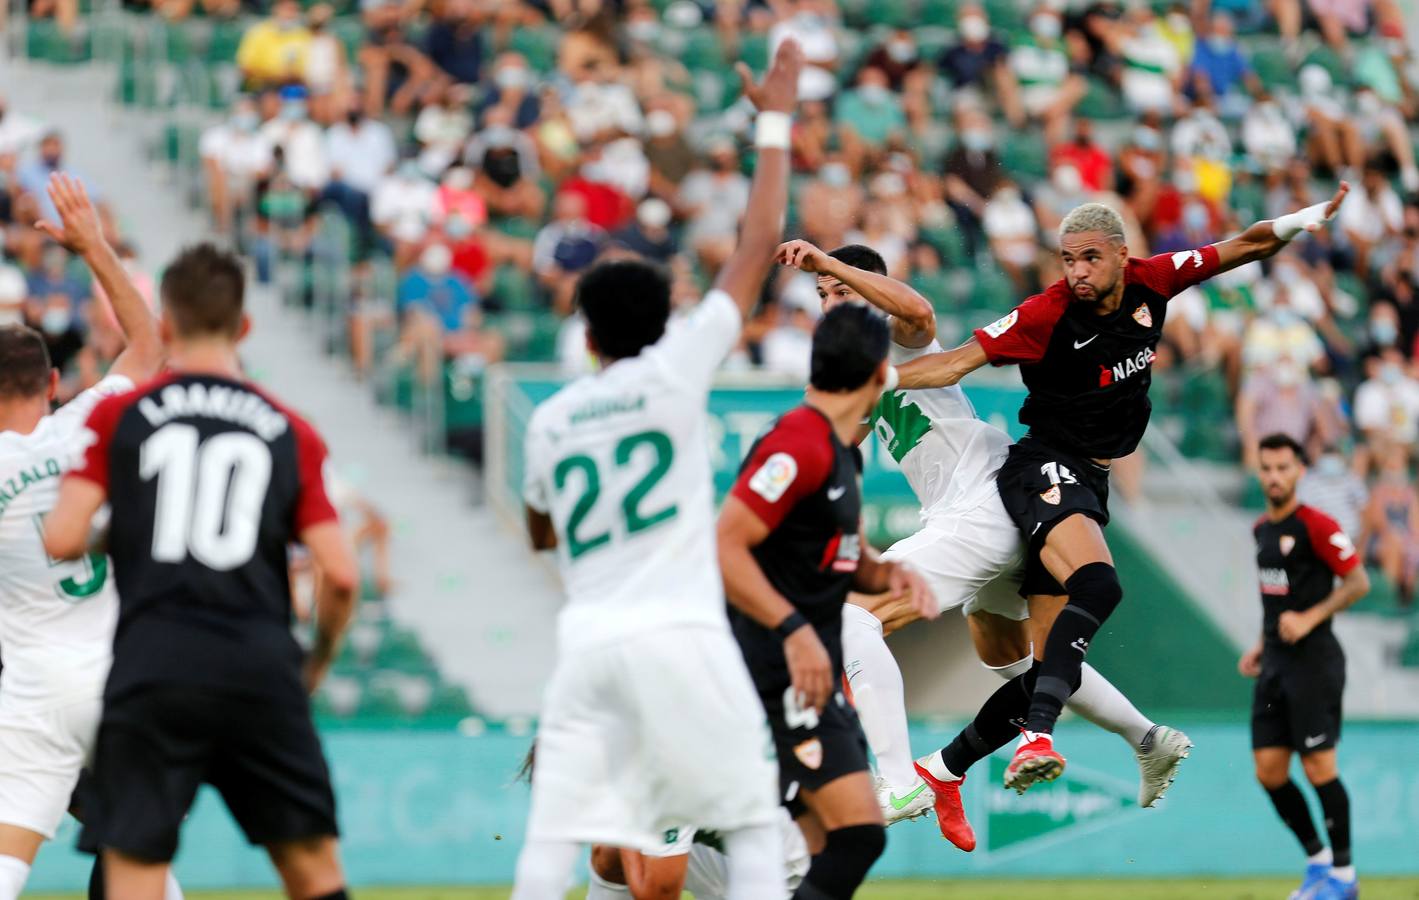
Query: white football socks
[14, 872]
[1105, 705]
[756, 866]
[544, 870]
[878, 694]
[1321, 857]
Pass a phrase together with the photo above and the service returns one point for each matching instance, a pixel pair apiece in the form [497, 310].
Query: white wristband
[772, 130]
[894, 378]
[1288, 226]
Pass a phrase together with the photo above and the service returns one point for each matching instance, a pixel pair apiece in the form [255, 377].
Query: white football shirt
[620, 460]
[56, 618]
[947, 453]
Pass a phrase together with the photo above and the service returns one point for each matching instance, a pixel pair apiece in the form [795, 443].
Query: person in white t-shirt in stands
[1387, 404]
[360, 150]
[301, 142]
[235, 155]
[810, 23]
[1371, 216]
[1013, 232]
[402, 208]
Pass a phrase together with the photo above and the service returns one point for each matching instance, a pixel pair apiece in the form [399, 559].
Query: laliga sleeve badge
[1003, 324]
[1143, 316]
[1051, 496]
[810, 753]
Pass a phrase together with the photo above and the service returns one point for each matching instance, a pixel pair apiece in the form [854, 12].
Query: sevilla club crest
[1287, 544]
[1143, 316]
[810, 753]
[1051, 496]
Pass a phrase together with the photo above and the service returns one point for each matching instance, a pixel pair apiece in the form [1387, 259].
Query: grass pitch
[961, 889]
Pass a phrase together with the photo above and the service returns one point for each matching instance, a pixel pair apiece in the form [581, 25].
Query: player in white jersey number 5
[968, 550]
[650, 719]
[56, 618]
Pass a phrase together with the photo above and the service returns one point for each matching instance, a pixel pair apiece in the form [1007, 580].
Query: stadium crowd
[488, 170]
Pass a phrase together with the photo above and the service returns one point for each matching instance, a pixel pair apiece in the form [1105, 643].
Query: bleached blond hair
[1093, 217]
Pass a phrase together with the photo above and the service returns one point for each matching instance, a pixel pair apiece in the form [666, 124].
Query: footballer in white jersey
[968, 550]
[650, 719]
[56, 618]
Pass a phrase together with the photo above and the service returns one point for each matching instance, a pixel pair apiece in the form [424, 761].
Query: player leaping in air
[56, 618]
[968, 549]
[1085, 347]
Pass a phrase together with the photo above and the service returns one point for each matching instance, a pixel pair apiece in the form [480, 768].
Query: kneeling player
[1298, 664]
[790, 549]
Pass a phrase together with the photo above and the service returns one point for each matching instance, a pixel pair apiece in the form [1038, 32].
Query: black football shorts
[157, 745]
[813, 749]
[1297, 702]
[1040, 487]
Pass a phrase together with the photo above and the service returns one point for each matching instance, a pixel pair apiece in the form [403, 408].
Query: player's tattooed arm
[1293, 626]
[942, 369]
[913, 319]
[743, 274]
[80, 230]
[1268, 237]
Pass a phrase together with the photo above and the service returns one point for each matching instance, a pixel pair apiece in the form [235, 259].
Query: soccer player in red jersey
[1085, 347]
[1298, 664]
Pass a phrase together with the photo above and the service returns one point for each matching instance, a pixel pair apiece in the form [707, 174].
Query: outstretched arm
[1269, 236]
[913, 319]
[743, 275]
[942, 369]
[80, 231]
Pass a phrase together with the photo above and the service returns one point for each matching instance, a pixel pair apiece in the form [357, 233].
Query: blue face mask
[293, 111]
[977, 141]
[1219, 45]
[55, 321]
[1384, 332]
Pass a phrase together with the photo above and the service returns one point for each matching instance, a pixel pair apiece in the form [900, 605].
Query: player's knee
[1319, 767]
[606, 863]
[1271, 775]
[1094, 589]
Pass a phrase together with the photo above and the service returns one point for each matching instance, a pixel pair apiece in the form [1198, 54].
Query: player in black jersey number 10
[1085, 347]
[1298, 664]
[209, 481]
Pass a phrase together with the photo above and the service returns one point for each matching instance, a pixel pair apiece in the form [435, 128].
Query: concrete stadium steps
[465, 584]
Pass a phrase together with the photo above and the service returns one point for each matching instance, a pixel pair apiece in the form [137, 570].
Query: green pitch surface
[965, 889]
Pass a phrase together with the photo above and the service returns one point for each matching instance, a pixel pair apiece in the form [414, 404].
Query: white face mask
[1046, 27]
[660, 123]
[975, 29]
[901, 51]
[436, 259]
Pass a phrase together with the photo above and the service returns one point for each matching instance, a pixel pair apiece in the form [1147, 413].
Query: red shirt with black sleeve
[209, 480]
[1088, 375]
[1297, 561]
[801, 481]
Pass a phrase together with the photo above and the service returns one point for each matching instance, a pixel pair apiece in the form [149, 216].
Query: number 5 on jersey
[210, 494]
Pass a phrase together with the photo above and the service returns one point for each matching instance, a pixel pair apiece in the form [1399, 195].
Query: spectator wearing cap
[978, 61]
[896, 56]
[972, 171]
[300, 141]
[565, 247]
[1040, 64]
[1220, 70]
[1371, 217]
[811, 24]
[273, 51]
[712, 200]
[649, 235]
[504, 162]
[235, 155]
[869, 114]
[454, 40]
[1390, 536]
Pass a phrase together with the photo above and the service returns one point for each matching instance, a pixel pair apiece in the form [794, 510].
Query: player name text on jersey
[230, 404]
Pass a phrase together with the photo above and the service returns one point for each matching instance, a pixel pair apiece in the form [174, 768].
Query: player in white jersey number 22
[56, 618]
[650, 720]
[968, 549]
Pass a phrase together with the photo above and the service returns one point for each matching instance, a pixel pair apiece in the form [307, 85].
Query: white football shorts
[640, 736]
[41, 755]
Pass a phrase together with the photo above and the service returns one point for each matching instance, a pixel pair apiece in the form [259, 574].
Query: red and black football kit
[209, 480]
[801, 481]
[1297, 700]
[1088, 378]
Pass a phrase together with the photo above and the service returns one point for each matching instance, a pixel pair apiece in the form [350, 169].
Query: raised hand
[1331, 208]
[79, 229]
[801, 255]
[778, 92]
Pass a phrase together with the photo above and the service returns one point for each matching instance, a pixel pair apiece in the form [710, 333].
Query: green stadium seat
[222, 43]
[1273, 68]
[1103, 102]
[1006, 15]
[539, 45]
[513, 289]
[703, 51]
[892, 13]
[993, 290]
[178, 41]
[448, 701]
[939, 13]
[754, 50]
[1023, 155]
[400, 651]
[1331, 61]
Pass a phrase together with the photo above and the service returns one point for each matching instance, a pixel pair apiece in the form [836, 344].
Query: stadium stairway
[485, 623]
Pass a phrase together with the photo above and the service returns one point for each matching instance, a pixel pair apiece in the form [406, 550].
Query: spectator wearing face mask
[1220, 70]
[1387, 404]
[13, 291]
[1371, 217]
[1267, 134]
[1010, 226]
[829, 204]
[869, 114]
[1282, 398]
[1332, 486]
[327, 71]
[649, 235]
[300, 141]
[896, 57]
[1280, 332]
[442, 128]
[1039, 61]
[1089, 158]
[504, 161]
[712, 200]
[565, 247]
[972, 172]
[439, 317]
[403, 208]
[273, 51]
[810, 23]
[235, 155]
[979, 61]
[513, 92]
[1152, 67]
[1390, 536]
[360, 150]
[667, 152]
[1334, 142]
[34, 180]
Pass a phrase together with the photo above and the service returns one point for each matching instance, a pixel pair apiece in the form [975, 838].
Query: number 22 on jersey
[583, 474]
[209, 494]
